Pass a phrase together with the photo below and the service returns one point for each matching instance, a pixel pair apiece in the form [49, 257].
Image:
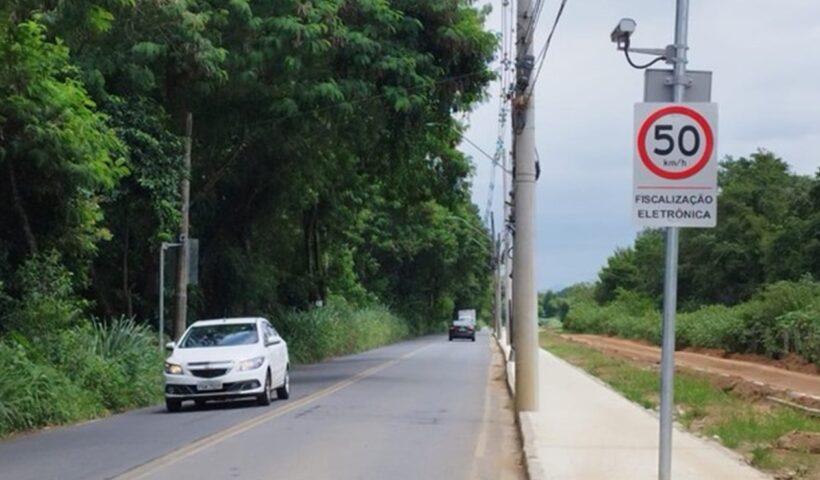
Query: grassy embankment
[94, 369]
[746, 425]
[782, 319]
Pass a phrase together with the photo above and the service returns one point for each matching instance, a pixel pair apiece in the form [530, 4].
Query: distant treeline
[750, 284]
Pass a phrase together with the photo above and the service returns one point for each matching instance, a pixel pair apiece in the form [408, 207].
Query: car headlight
[173, 368]
[251, 364]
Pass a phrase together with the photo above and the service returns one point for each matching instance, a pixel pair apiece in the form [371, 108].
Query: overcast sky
[766, 80]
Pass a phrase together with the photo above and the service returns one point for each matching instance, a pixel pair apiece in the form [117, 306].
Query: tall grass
[77, 373]
[98, 367]
[782, 318]
[337, 330]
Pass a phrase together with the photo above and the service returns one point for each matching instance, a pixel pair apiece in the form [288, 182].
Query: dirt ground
[790, 362]
[500, 431]
[740, 373]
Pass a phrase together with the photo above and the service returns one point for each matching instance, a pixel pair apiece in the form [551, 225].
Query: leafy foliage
[78, 373]
[58, 154]
[338, 329]
[325, 171]
[782, 319]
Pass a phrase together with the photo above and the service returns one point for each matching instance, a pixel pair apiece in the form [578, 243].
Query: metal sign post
[675, 175]
[670, 282]
[164, 246]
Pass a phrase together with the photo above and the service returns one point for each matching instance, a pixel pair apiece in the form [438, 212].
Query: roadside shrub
[799, 332]
[769, 329]
[34, 395]
[338, 329]
[585, 317]
[713, 326]
[77, 373]
[46, 297]
[644, 325]
[782, 318]
[117, 361]
[630, 315]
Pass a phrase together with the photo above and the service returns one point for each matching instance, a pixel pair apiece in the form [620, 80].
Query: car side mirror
[272, 341]
[169, 347]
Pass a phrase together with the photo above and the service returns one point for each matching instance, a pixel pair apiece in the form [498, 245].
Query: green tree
[620, 272]
[59, 156]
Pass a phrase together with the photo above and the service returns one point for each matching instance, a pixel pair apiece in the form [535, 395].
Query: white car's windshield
[221, 335]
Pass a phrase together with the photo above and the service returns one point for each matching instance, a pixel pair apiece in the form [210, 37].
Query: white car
[227, 358]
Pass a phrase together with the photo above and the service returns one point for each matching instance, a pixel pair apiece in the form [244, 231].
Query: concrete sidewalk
[586, 431]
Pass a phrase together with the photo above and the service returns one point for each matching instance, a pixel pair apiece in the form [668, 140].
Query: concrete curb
[525, 424]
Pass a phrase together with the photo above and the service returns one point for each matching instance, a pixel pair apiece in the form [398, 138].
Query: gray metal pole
[496, 261]
[498, 279]
[161, 295]
[670, 296]
[524, 295]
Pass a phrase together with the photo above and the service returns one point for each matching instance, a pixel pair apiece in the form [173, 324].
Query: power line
[505, 80]
[465, 138]
[542, 55]
[533, 23]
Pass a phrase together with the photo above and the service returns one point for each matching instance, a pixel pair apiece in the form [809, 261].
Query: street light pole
[496, 280]
[524, 176]
[670, 284]
[163, 246]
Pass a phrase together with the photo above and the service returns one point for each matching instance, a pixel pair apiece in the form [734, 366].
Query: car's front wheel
[173, 405]
[264, 398]
[283, 392]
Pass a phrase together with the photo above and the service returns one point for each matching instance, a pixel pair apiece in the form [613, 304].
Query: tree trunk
[126, 287]
[313, 266]
[181, 314]
[20, 209]
[317, 256]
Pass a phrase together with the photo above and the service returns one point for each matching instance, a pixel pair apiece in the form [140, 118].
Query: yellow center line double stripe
[209, 441]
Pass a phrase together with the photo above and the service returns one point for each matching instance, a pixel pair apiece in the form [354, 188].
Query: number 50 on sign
[675, 166]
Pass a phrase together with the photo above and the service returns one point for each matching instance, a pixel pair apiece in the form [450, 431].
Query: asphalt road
[421, 409]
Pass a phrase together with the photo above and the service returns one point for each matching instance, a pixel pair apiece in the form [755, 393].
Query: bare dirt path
[793, 383]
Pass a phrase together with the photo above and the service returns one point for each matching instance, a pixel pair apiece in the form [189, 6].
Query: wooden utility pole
[180, 320]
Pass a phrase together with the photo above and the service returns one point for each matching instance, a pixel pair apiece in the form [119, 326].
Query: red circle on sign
[694, 115]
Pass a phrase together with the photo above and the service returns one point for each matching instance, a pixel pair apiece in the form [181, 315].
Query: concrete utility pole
[524, 173]
[670, 283]
[180, 321]
[505, 250]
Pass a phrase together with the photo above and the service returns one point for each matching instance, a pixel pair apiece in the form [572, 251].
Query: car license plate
[209, 386]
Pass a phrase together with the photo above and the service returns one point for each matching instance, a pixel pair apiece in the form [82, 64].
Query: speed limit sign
[675, 166]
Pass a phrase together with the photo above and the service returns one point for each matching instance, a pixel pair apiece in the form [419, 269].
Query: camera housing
[623, 30]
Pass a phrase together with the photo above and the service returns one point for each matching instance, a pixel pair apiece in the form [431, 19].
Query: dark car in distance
[462, 329]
